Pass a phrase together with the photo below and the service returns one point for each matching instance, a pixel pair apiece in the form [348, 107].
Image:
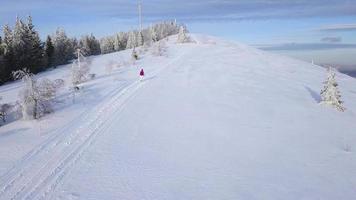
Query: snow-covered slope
[211, 120]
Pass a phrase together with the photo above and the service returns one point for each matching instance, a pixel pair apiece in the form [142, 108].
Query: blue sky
[324, 31]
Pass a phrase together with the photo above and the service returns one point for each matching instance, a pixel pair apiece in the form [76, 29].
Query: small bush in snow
[92, 76]
[134, 54]
[330, 95]
[4, 110]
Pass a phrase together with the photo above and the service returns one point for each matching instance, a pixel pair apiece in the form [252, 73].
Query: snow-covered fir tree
[149, 37]
[63, 47]
[182, 36]
[8, 39]
[8, 55]
[2, 63]
[49, 51]
[36, 50]
[27, 46]
[139, 39]
[330, 95]
[1, 47]
[89, 45]
[20, 44]
[153, 34]
[131, 41]
[22, 47]
[120, 41]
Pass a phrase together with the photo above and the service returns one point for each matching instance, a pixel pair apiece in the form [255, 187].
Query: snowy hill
[212, 120]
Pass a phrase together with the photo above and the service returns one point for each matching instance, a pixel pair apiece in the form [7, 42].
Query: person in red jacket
[142, 74]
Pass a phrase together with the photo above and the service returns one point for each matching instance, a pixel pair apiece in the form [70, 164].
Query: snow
[211, 120]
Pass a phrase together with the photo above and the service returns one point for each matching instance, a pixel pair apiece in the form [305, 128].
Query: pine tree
[27, 46]
[89, 45]
[2, 63]
[63, 47]
[131, 41]
[20, 45]
[49, 51]
[117, 42]
[94, 45]
[121, 41]
[8, 57]
[330, 95]
[139, 39]
[36, 50]
[1, 47]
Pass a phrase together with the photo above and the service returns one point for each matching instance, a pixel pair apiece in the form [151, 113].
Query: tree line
[21, 46]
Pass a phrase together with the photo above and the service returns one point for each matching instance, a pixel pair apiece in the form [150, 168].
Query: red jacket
[142, 73]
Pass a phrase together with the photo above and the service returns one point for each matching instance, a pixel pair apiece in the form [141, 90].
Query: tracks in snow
[41, 170]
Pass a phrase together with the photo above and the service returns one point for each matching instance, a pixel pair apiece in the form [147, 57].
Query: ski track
[42, 169]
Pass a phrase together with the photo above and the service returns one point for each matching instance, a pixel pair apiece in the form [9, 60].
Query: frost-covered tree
[330, 95]
[121, 41]
[182, 36]
[107, 45]
[28, 95]
[149, 39]
[129, 40]
[47, 90]
[80, 69]
[37, 97]
[166, 29]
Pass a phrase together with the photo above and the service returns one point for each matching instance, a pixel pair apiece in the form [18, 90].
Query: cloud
[338, 27]
[331, 39]
[198, 10]
[305, 46]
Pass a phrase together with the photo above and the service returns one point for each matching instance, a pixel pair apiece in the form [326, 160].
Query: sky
[319, 30]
